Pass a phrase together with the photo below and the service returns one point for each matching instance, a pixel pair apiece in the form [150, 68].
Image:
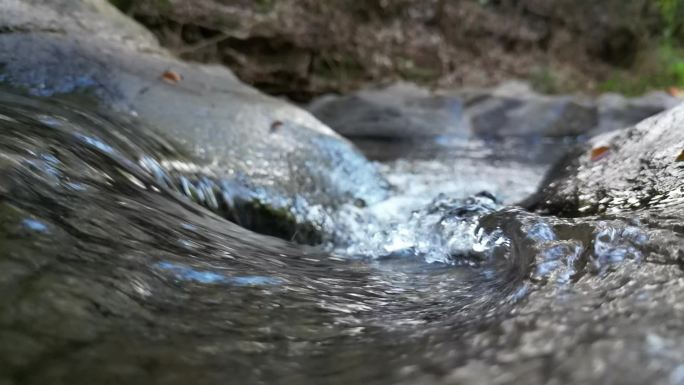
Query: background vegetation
[302, 48]
[660, 65]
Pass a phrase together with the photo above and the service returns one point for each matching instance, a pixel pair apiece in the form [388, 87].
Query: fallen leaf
[676, 92]
[171, 77]
[276, 125]
[598, 153]
[680, 158]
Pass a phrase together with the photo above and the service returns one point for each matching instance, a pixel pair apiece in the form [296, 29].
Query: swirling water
[109, 273]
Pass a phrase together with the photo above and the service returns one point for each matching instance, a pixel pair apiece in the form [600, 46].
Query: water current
[112, 272]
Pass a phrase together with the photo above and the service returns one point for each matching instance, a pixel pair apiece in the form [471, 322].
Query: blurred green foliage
[669, 9]
[659, 67]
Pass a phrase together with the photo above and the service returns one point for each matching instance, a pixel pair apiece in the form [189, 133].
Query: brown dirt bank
[302, 48]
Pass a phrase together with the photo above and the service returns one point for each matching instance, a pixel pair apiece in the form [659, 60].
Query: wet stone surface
[638, 170]
[225, 128]
[405, 112]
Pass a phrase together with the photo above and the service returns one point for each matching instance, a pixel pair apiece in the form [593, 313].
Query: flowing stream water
[111, 274]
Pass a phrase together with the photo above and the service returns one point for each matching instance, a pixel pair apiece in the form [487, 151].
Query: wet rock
[513, 109]
[88, 49]
[637, 172]
[407, 112]
[93, 19]
[399, 112]
[617, 111]
[503, 116]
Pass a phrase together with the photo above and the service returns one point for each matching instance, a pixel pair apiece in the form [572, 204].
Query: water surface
[110, 273]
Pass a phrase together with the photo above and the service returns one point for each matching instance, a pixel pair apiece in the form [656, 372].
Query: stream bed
[111, 272]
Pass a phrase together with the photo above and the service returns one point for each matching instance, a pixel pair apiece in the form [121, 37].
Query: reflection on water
[189, 274]
[110, 273]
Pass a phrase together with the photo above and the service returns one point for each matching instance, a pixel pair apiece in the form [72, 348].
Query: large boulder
[276, 152]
